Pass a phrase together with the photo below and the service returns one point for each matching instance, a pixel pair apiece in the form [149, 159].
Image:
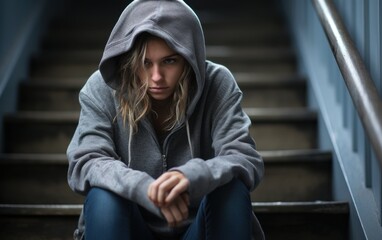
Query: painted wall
[357, 173]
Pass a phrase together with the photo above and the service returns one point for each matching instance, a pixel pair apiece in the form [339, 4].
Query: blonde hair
[134, 101]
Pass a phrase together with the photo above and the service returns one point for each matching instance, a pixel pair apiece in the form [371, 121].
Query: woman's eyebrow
[171, 55]
[168, 56]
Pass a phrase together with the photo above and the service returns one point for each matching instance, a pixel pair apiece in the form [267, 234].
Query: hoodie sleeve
[235, 154]
[93, 161]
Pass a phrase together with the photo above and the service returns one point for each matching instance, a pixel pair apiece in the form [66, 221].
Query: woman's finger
[165, 188]
[167, 213]
[154, 188]
[176, 212]
[183, 207]
[177, 190]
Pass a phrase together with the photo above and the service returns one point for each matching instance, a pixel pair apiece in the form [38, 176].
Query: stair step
[239, 38]
[283, 128]
[42, 178]
[245, 53]
[77, 56]
[35, 179]
[49, 96]
[72, 63]
[252, 58]
[226, 34]
[262, 92]
[217, 53]
[296, 175]
[50, 132]
[240, 12]
[75, 70]
[244, 28]
[35, 222]
[39, 132]
[63, 95]
[61, 70]
[286, 221]
[93, 25]
[308, 220]
[76, 39]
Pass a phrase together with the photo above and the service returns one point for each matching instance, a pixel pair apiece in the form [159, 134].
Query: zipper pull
[164, 163]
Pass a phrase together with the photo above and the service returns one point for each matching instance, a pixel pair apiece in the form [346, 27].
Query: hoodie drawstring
[189, 139]
[129, 147]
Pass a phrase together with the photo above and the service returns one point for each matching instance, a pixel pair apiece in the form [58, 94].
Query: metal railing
[358, 80]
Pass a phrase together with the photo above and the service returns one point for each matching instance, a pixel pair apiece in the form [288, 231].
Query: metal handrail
[358, 80]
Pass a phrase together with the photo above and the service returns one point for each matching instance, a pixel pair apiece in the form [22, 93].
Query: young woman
[162, 149]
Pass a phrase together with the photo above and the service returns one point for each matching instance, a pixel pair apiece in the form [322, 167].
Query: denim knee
[233, 191]
[105, 203]
[225, 213]
[101, 207]
[110, 216]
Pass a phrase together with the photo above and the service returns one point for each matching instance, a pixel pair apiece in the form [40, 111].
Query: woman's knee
[107, 215]
[105, 205]
[234, 189]
[98, 197]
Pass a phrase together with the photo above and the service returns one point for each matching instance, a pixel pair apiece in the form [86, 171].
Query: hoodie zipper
[165, 148]
[164, 163]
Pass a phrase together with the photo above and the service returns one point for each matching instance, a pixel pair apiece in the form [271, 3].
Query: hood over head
[171, 20]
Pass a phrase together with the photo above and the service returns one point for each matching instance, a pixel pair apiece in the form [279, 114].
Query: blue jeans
[225, 213]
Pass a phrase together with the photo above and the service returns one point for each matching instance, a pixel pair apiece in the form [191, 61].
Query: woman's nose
[156, 74]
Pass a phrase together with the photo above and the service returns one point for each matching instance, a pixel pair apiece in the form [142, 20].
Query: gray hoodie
[210, 147]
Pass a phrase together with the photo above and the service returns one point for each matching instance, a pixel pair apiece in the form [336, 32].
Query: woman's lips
[157, 89]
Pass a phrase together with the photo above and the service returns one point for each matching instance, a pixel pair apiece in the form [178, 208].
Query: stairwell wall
[22, 23]
[356, 171]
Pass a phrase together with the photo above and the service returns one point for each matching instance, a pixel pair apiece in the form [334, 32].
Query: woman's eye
[146, 63]
[169, 60]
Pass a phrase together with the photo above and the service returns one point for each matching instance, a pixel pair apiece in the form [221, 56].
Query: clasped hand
[169, 193]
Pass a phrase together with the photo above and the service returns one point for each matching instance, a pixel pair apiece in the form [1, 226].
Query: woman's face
[163, 67]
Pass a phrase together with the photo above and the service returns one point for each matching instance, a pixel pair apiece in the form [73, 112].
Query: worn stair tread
[72, 80]
[281, 114]
[69, 55]
[258, 114]
[269, 79]
[299, 163]
[311, 165]
[310, 220]
[57, 70]
[63, 71]
[43, 116]
[248, 9]
[90, 38]
[59, 95]
[35, 179]
[243, 78]
[41, 84]
[280, 220]
[232, 53]
[40, 209]
[51, 131]
[283, 128]
[275, 156]
[332, 207]
[296, 155]
[244, 81]
[33, 158]
[249, 52]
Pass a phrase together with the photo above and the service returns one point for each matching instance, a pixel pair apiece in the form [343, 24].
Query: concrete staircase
[293, 202]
